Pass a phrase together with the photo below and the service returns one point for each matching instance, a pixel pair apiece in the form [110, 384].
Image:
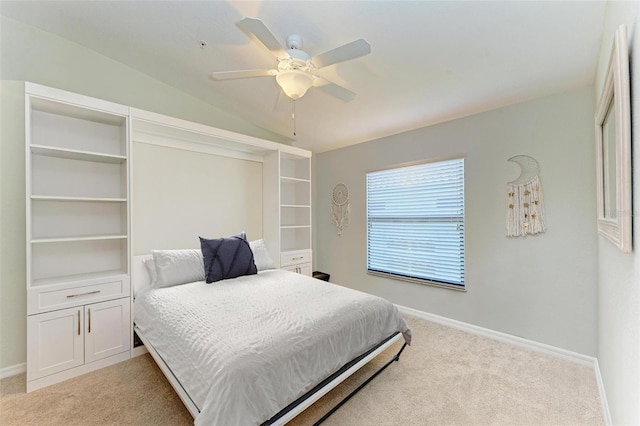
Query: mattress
[247, 347]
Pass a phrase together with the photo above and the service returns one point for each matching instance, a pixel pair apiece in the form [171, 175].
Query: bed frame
[140, 280]
[305, 401]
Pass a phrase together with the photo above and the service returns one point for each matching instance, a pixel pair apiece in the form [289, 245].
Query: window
[415, 223]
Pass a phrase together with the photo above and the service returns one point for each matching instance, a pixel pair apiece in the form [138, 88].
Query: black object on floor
[321, 275]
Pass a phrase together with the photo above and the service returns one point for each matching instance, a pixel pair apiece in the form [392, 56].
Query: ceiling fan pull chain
[293, 116]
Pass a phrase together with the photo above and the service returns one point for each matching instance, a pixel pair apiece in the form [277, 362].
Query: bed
[260, 348]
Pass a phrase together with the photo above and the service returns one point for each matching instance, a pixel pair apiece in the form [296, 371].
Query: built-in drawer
[49, 298]
[295, 257]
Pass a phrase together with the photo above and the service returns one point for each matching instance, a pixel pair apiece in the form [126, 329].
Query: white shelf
[62, 256]
[295, 226]
[79, 199]
[74, 154]
[296, 206]
[63, 108]
[295, 168]
[77, 278]
[60, 176]
[72, 239]
[71, 129]
[295, 192]
[293, 179]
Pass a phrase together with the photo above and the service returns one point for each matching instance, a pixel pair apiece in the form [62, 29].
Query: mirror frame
[616, 94]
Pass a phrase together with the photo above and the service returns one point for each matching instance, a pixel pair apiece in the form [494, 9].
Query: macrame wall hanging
[340, 208]
[525, 202]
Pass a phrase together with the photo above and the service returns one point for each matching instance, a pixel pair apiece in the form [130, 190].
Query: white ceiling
[431, 61]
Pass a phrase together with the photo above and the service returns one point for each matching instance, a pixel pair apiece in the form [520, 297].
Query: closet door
[55, 342]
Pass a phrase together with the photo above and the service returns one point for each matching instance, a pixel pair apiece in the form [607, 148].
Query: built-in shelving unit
[78, 238]
[295, 203]
[290, 210]
[78, 220]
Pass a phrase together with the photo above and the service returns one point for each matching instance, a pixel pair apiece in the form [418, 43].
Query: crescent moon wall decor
[525, 201]
[340, 207]
[529, 168]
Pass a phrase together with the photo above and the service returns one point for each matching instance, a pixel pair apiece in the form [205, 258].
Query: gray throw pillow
[227, 258]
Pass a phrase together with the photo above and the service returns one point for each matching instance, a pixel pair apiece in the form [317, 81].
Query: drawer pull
[78, 322]
[89, 320]
[82, 294]
[297, 258]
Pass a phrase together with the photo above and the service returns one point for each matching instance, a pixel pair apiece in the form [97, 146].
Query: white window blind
[415, 222]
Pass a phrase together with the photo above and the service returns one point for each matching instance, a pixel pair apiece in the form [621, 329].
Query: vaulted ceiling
[430, 61]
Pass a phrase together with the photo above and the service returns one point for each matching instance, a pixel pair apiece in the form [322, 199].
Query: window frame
[422, 281]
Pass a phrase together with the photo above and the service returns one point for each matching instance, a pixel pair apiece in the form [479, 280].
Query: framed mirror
[613, 148]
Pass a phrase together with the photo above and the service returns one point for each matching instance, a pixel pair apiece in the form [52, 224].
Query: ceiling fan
[296, 71]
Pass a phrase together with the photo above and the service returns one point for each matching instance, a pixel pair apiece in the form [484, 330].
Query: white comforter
[245, 348]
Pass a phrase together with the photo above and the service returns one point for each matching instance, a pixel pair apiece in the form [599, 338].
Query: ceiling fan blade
[261, 32]
[333, 89]
[231, 75]
[348, 51]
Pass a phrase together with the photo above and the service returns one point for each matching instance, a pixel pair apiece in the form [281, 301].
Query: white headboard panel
[180, 194]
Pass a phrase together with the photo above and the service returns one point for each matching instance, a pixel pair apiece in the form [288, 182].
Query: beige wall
[541, 287]
[29, 54]
[619, 273]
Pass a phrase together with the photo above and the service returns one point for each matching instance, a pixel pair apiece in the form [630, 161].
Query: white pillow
[151, 270]
[174, 267]
[261, 256]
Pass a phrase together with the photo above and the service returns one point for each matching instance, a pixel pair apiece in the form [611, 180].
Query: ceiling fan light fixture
[294, 83]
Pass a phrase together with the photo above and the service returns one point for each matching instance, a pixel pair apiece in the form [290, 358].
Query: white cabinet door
[107, 326]
[290, 268]
[303, 268]
[55, 342]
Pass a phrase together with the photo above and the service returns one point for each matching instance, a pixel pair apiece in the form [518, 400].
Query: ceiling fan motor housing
[298, 59]
[294, 41]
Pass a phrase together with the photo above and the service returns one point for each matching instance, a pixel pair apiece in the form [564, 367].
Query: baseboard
[554, 351]
[603, 396]
[13, 370]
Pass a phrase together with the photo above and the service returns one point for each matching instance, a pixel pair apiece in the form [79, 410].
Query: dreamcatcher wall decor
[340, 208]
[525, 202]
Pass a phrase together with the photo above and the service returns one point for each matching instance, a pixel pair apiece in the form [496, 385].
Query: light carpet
[447, 377]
